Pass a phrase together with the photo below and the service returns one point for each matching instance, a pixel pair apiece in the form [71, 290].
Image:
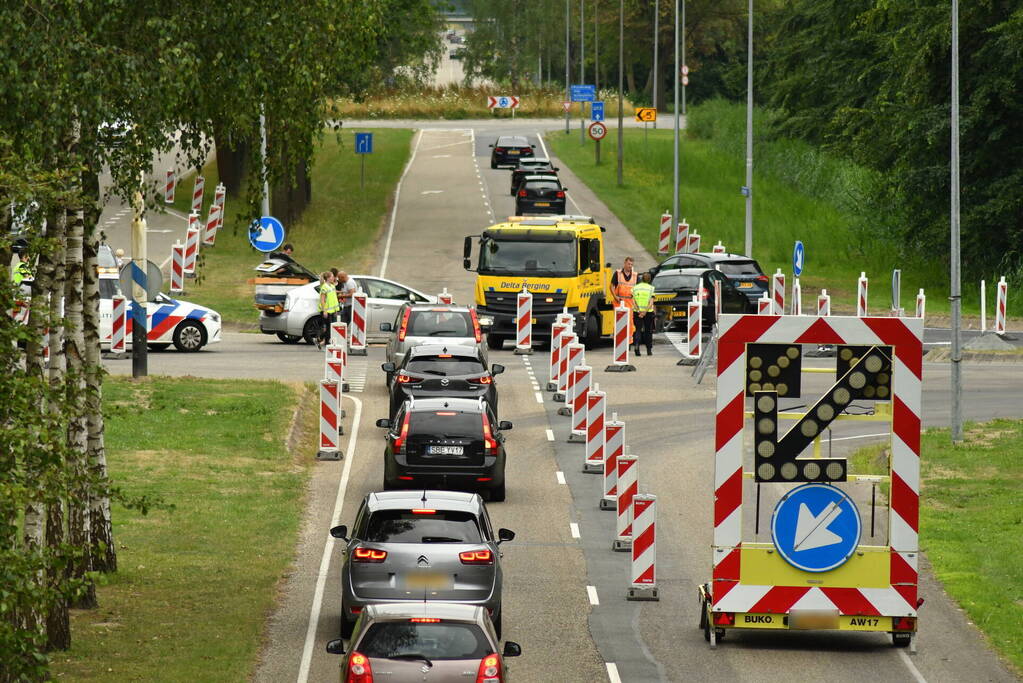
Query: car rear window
[676, 281]
[438, 641]
[439, 324]
[512, 142]
[739, 268]
[451, 424]
[542, 185]
[406, 526]
[432, 365]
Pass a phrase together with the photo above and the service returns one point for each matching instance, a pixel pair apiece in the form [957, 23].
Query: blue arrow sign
[583, 93]
[364, 143]
[266, 234]
[597, 111]
[798, 255]
[816, 527]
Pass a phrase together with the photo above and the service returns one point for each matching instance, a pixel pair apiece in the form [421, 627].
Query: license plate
[532, 321]
[513, 151]
[543, 204]
[445, 450]
[813, 619]
[745, 285]
[427, 581]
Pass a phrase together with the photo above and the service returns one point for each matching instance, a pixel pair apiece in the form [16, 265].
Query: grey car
[415, 546]
[418, 323]
[424, 642]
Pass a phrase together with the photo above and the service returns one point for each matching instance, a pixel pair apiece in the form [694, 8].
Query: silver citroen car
[415, 546]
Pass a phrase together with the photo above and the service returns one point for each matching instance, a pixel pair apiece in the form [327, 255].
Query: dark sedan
[742, 271]
[534, 166]
[435, 370]
[674, 289]
[540, 194]
[509, 149]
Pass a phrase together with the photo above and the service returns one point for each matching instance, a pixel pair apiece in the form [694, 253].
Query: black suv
[675, 288]
[540, 194]
[509, 149]
[534, 166]
[742, 271]
[436, 370]
[445, 443]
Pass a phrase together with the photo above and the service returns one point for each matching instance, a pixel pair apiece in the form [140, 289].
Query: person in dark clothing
[285, 253]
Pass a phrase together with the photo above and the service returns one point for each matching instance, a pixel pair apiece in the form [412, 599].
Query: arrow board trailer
[802, 540]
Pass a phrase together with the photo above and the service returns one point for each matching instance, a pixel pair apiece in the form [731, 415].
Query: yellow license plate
[813, 619]
[543, 203]
[745, 285]
[513, 151]
[427, 580]
[532, 321]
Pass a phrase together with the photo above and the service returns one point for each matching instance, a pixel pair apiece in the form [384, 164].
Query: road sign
[646, 115]
[502, 102]
[798, 255]
[597, 111]
[685, 70]
[566, 105]
[685, 80]
[597, 130]
[583, 93]
[267, 234]
[364, 143]
[816, 527]
[154, 279]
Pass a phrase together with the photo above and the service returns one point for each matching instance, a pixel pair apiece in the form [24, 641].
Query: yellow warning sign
[646, 114]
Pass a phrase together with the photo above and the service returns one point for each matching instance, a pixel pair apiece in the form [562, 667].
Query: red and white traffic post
[622, 334]
[575, 355]
[445, 297]
[219, 193]
[335, 361]
[197, 192]
[682, 237]
[627, 487]
[524, 323]
[1003, 291]
[921, 304]
[823, 304]
[643, 574]
[719, 248]
[191, 244]
[797, 297]
[330, 421]
[578, 387]
[209, 236]
[168, 187]
[357, 341]
[764, 305]
[557, 329]
[567, 337]
[695, 324]
[693, 244]
[717, 301]
[596, 406]
[614, 447]
[118, 325]
[778, 292]
[664, 235]
[339, 334]
[177, 285]
[861, 296]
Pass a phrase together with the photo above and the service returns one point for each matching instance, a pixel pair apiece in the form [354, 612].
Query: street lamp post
[657, 40]
[956, 294]
[582, 69]
[749, 135]
[674, 198]
[568, 98]
[621, 61]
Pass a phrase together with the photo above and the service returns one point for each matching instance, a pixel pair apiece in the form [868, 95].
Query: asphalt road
[564, 588]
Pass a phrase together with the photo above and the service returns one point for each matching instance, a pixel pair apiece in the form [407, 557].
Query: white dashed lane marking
[538, 396]
[591, 592]
[550, 435]
[560, 476]
[355, 374]
[574, 528]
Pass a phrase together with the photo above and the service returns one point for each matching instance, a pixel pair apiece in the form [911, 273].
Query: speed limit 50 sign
[597, 130]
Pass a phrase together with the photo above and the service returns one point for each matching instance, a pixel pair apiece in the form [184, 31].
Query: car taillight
[423, 511]
[724, 618]
[359, 670]
[703, 292]
[476, 325]
[499, 150]
[761, 278]
[904, 624]
[476, 557]
[403, 329]
[490, 670]
[369, 555]
[399, 441]
[522, 193]
[560, 194]
[402, 378]
[489, 443]
[485, 379]
[424, 620]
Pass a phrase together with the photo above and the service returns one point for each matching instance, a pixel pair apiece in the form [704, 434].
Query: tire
[311, 330]
[492, 164]
[703, 619]
[497, 494]
[497, 624]
[495, 342]
[189, 336]
[591, 336]
[288, 338]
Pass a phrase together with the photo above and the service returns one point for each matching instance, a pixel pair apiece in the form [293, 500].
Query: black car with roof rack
[742, 271]
[443, 371]
[531, 166]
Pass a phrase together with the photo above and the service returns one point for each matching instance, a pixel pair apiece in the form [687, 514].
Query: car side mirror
[607, 265]
[385, 327]
[491, 145]
[556, 169]
[533, 146]
[496, 369]
[384, 423]
[466, 264]
[504, 425]
[388, 367]
[505, 535]
[340, 532]
[512, 649]
[564, 189]
[337, 647]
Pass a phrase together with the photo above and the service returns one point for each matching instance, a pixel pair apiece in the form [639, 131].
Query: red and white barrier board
[643, 572]
[614, 447]
[664, 235]
[209, 236]
[861, 296]
[197, 192]
[682, 238]
[797, 297]
[191, 244]
[694, 323]
[1003, 291]
[626, 489]
[357, 342]
[717, 300]
[693, 243]
[557, 329]
[921, 304]
[577, 390]
[567, 337]
[334, 364]
[764, 305]
[118, 323]
[339, 334]
[575, 355]
[330, 421]
[778, 292]
[177, 285]
[596, 406]
[719, 248]
[524, 322]
[219, 193]
[823, 304]
[168, 187]
[445, 297]
[621, 339]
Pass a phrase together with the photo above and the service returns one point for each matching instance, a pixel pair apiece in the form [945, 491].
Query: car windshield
[739, 268]
[542, 185]
[433, 365]
[407, 526]
[441, 323]
[673, 281]
[527, 258]
[436, 641]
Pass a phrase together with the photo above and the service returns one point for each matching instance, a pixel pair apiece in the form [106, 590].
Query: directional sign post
[816, 527]
[582, 93]
[266, 234]
[646, 116]
[597, 116]
[363, 146]
[798, 256]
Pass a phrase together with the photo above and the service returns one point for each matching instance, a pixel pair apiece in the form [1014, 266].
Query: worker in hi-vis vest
[622, 282]
[644, 314]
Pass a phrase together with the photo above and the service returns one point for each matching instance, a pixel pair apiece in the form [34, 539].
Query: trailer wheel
[902, 639]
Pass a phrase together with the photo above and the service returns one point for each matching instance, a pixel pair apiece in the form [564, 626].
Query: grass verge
[195, 583]
[971, 523]
[799, 193]
[338, 228]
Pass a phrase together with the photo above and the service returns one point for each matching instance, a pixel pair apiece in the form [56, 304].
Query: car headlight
[486, 321]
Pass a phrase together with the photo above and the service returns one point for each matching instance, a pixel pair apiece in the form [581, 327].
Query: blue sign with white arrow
[583, 93]
[364, 143]
[816, 527]
[798, 255]
[596, 111]
[266, 234]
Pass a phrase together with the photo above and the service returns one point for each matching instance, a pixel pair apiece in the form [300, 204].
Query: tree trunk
[630, 77]
[101, 542]
[232, 160]
[58, 621]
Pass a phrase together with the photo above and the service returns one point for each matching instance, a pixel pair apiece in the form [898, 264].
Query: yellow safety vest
[643, 296]
[623, 290]
[332, 305]
[21, 272]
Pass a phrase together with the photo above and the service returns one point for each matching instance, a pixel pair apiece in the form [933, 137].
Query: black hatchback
[445, 443]
[436, 370]
[540, 194]
[509, 149]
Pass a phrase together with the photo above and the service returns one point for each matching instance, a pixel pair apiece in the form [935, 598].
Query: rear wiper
[413, 656]
[434, 372]
[441, 539]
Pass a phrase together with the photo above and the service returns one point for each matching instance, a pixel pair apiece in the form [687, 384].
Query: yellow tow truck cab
[559, 259]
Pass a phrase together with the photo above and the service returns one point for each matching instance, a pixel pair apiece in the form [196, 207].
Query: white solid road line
[538, 396]
[860, 436]
[574, 528]
[328, 547]
[560, 476]
[913, 671]
[394, 208]
[591, 592]
[612, 672]
[550, 435]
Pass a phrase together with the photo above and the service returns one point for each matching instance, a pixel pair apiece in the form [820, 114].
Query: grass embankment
[971, 523]
[195, 583]
[337, 229]
[798, 194]
[460, 102]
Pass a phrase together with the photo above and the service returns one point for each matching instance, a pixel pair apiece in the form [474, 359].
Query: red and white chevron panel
[577, 390]
[191, 243]
[557, 329]
[575, 355]
[693, 243]
[628, 470]
[118, 323]
[209, 234]
[682, 237]
[357, 343]
[168, 187]
[695, 324]
[664, 237]
[623, 334]
[596, 407]
[567, 337]
[445, 297]
[823, 304]
[861, 296]
[921, 304]
[614, 447]
[644, 540]
[197, 192]
[339, 334]
[524, 322]
[717, 300]
[778, 292]
[330, 397]
[219, 193]
[177, 285]
[1003, 290]
[719, 248]
[764, 305]
[334, 364]
[797, 297]
[905, 335]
